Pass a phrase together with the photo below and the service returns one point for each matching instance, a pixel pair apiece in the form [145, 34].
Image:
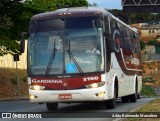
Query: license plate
[65, 96]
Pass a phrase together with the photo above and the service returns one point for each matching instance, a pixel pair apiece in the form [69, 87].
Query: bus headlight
[36, 87]
[95, 85]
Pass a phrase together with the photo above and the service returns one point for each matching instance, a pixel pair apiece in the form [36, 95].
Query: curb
[13, 99]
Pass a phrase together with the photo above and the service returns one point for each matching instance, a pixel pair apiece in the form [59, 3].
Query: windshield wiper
[74, 60]
[51, 59]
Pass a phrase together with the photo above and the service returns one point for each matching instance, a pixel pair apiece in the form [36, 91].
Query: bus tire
[125, 99]
[110, 104]
[138, 96]
[133, 98]
[52, 106]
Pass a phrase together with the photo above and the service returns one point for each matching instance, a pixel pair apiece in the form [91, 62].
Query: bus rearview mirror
[22, 42]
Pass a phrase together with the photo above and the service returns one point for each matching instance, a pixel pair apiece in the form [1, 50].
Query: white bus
[82, 54]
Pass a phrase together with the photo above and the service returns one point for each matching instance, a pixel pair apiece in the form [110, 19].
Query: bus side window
[127, 39]
[136, 43]
[133, 42]
[115, 34]
[122, 36]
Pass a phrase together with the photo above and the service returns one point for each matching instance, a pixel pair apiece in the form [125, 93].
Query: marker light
[95, 85]
[101, 94]
[32, 97]
[36, 87]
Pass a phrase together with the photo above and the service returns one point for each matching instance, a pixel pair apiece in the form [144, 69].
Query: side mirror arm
[22, 42]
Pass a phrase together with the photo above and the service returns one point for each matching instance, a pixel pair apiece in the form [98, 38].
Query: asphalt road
[89, 110]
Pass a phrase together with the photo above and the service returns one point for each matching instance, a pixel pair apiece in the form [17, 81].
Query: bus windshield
[65, 46]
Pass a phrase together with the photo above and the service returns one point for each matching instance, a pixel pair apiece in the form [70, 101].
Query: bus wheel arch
[137, 88]
[116, 86]
[110, 104]
[133, 97]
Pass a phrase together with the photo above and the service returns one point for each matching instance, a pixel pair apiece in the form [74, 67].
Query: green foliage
[121, 15]
[71, 3]
[15, 17]
[9, 29]
[136, 17]
[25, 79]
[143, 45]
[153, 42]
[147, 91]
[14, 81]
[143, 18]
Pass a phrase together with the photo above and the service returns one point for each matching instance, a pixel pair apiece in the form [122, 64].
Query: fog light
[32, 97]
[36, 87]
[101, 94]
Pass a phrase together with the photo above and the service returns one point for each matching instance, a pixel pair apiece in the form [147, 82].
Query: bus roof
[69, 12]
[77, 11]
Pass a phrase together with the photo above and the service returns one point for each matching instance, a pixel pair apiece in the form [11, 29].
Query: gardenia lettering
[44, 81]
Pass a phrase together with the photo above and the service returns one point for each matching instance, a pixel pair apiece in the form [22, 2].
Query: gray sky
[108, 4]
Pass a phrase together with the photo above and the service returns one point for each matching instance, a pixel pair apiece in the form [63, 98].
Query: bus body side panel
[126, 82]
[125, 61]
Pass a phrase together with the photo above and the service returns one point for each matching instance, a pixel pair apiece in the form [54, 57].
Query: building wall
[7, 61]
[147, 31]
[150, 49]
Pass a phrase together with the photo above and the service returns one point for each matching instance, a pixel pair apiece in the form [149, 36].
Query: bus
[82, 54]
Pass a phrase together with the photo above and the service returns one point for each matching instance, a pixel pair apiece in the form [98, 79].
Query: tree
[144, 18]
[153, 42]
[71, 3]
[8, 10]
[142, 44]
[94, 4]
[120, 14]
[15, 17]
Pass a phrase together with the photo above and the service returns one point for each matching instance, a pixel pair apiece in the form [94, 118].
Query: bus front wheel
[52, 106]
[110, 104]
[133, 97]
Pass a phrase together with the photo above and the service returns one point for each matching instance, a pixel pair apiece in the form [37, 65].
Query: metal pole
[17, 79]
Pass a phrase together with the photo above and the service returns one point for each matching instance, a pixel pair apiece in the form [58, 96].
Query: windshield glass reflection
[62, 46]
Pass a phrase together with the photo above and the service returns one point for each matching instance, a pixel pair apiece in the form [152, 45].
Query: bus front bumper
[95, 94]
